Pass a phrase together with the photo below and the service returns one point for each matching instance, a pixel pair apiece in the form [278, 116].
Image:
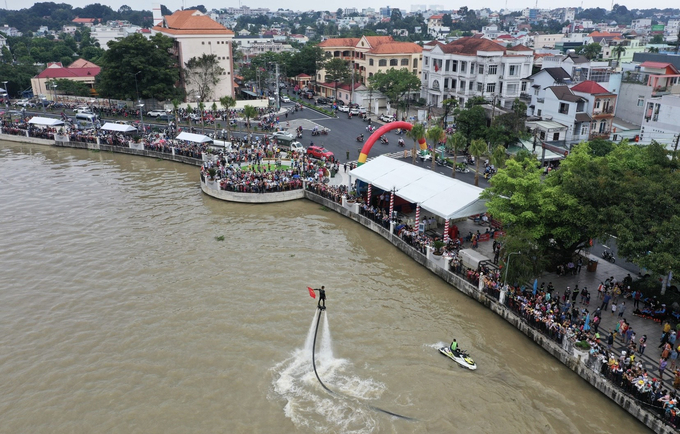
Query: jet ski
[459, 356]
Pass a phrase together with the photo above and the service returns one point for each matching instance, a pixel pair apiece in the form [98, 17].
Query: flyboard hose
[316, 331]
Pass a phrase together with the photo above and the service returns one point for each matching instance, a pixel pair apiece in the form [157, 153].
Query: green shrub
[584, 345]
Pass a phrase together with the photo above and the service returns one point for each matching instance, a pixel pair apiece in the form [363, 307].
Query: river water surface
[121, 312]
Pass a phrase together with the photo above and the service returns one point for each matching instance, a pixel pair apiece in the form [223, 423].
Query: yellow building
[370, 54]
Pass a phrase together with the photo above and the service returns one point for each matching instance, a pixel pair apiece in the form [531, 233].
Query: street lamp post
[507, 265]
[4, 83]
[54, 90]
[136, 88]
[141, 114]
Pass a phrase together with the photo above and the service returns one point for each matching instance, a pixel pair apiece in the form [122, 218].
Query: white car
[354, 111]
[285, 134]
[343, 108]
[155, 113]
[386, 118]
[285, 99]
[362, 110]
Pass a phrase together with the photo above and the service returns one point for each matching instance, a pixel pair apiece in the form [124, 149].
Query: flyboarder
[322, 297]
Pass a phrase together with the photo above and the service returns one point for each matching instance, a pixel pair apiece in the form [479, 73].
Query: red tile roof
[470, 46]
[397, 48]
[520, 47]
[79, 20]
[590, 87]
[437, 17]
[191, 22]
[79, 68]
[377, 45]
[659, 65]
[339, 42]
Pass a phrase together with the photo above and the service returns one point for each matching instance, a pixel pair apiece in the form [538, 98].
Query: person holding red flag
[322, 296]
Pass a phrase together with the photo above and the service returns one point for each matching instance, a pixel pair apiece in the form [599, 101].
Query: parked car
[386, 118]
[343, 108]
[155, 113]
[285, 99]
[282, 85]
[25, 103]
[320, 152]
[354, 111]
[322, 101]
[362, 110]
[165, 117]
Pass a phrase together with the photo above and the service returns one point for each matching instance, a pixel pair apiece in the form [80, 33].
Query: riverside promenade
[571, 358]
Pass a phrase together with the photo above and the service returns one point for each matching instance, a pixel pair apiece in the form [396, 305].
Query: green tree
[175, 106]
[337, 71]
[436, 135]
[478, 149]
[591, 51]
[417, 133]
[249, 112]
[395, 83]
[147, 59]
[455, 143]
[618, 51]
[449, 105]
[227, 103]
[471, 122]
[656, 39]
[203, 74]
[201, 110]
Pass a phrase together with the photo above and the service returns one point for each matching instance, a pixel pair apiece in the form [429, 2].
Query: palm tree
[435, 134]
[455, 143]
[618, 51]
[227, 102]
[416, 133]
[249, 112]
[498, 156]
[201, 108]
[214, 110]
[478, 148]
[175, 106]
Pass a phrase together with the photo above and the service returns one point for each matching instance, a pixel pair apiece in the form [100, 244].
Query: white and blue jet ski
[459, 356]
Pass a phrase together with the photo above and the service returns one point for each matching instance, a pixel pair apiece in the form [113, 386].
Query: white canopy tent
[120, 128]
[446, 197]
[196, 138]
[49, 122]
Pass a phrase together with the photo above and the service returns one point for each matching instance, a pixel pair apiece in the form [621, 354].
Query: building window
[641, 101]
[538, 113]
[491, 87]
[202, 42]
[415, 63]
[514, 70]
[556, 136]
[370, 62]
[584, 129]
[448, 65]
[493, 69]
[463, 66]
[479, 86]
[382, 62]
[472, 83]
[512, 89]
[481, 69]
[536, 91]
[597, 103]
[426, 60]
[564, 108]
[524, 86]
[404, 62]
[453, 83]
[462, 85]
[370, 74]
[454, 66]
[394, 62]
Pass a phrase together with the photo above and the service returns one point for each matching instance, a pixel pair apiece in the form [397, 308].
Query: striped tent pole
[446, 231]
[368, 196]
[391, 203]
[417, 217]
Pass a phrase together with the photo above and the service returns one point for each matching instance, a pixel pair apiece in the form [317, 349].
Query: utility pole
[278, 88]
[351, 89]
[677, 139]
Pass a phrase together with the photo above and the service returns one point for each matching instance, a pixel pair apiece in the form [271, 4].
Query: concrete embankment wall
[233, 196]
[573, 360]
[103, 147]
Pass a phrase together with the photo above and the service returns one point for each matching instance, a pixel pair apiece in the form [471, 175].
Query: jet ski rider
[454, 346]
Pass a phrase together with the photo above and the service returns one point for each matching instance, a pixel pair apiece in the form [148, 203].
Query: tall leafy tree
[417, 133]
[202, 74]
[455, 143]
[471, 122]
[227, 103]
[146, 59]
[337, 71]
[478, 149]
[395, 83]
[436, 135]
[249, 112]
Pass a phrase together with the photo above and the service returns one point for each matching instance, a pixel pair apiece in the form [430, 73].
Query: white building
[660, 120]
[196, 34]
[113, 31]
[471, 67]
[642, 23]
[579, 67]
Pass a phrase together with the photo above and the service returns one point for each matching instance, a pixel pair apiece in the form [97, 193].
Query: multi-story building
[586, 110]
[642, 83]
[252, 46]
[196, 34]
[113, 31]
[579, 67]
[370, 54]
[81, 71]
[472, 67]
[660, 120]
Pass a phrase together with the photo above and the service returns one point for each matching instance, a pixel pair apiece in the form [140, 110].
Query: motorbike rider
[401, 142]
[360, 138]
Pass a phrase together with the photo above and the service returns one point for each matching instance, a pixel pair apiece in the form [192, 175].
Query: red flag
[311, 292]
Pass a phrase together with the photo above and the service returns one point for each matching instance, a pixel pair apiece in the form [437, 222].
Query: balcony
[525, 96]
[599, 135]
[540, 100]
[599, 114]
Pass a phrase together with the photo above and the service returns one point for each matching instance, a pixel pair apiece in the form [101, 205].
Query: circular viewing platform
[212, 188]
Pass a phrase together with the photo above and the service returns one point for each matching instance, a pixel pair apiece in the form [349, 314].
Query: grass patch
[263, 168]
[324, 208]
[220, 238]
